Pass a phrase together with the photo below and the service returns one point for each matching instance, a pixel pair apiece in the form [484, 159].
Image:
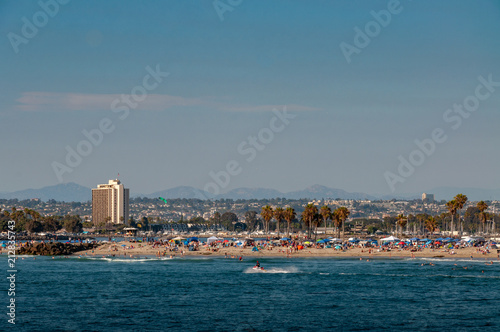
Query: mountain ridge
[74, 192]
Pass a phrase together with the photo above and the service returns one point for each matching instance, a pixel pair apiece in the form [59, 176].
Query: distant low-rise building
[110, 203]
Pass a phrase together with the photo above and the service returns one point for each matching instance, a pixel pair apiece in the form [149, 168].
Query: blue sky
[352, 120]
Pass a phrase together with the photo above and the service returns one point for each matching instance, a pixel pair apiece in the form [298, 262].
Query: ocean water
[218, 294]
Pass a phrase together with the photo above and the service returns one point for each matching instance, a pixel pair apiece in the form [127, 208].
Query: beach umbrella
[338, 247]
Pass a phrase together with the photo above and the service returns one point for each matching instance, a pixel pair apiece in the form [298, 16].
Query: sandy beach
[135, 250]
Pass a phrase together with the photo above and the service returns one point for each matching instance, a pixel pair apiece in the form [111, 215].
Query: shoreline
[107, 250]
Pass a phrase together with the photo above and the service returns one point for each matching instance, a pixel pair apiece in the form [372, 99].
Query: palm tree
[461, 200]
[267, 215]
[336, 220]
[308, 216]
[402, 220]
[431, 224]
[289, 215]
[326, 213]
[343, 213]
[279, 215]
[452, 208]
[216, 218]
[316, 223]
[482, 206]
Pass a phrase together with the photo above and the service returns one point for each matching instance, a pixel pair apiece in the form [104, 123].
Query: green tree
[308, 215]
[289, 216]
[73, 224]
[402, 220]
[251, 219]
[343, 214]
[483, 216]
[32, 226]
[216, 218]
[51, 224]
[431, 224]
[228, 219]
[461, 201]
[452, 208]
[326, 213]
[267, 214]
[279, 215]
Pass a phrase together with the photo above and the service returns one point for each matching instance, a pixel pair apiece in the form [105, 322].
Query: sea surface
[218, 294]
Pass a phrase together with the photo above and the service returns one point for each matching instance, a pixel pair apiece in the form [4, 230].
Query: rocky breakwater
[54, 248]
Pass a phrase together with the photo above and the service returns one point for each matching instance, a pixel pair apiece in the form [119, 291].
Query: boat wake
[291, 269]
[453, 260]
[127, 260]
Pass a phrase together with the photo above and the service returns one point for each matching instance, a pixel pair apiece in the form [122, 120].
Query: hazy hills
[68, 192]
[74, 192]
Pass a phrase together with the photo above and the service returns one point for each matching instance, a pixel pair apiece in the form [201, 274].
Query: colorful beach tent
[212, 239]
[389, 239]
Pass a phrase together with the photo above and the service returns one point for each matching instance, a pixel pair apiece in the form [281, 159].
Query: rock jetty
[54, 248]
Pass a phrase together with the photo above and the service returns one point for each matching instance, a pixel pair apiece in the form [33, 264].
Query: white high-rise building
[110, 203]
[428, 198]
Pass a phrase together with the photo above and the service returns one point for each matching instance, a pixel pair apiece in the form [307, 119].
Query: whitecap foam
[127, 260]
[291, 269]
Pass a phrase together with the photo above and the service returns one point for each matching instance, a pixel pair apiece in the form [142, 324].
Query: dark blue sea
[218, 294]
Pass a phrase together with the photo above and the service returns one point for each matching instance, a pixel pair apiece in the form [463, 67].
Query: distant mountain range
[67, 192]
[72, 192]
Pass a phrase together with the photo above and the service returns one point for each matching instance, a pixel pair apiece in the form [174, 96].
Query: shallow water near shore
[214, 293]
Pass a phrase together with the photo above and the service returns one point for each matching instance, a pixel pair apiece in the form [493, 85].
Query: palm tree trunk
[451, 225]
[343, 231]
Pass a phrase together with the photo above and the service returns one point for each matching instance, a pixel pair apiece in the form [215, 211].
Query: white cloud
[50, 101]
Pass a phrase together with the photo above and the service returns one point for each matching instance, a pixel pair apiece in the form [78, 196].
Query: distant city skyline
[379, 97]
